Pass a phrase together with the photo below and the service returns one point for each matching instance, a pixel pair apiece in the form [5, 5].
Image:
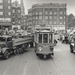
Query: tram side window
[45, 38]
[50, 38]
[40, 38]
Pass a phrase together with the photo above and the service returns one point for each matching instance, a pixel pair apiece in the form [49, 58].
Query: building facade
[50, 14]
[5, 14]
[22, 14]
[16, 15]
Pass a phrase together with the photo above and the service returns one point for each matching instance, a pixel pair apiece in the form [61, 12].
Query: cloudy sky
[70, 4]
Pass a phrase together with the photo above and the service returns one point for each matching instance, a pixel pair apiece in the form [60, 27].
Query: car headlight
[39, 48]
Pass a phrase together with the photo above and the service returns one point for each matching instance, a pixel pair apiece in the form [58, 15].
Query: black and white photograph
[37, 37]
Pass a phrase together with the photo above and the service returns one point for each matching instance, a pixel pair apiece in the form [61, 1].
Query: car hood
[2, 44]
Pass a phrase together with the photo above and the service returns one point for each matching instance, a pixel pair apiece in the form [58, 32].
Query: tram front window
[45, 38]
[40, 38]
[50, 38]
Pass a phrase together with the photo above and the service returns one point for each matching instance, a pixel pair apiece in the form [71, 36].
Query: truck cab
[5, 45]
[7, 40]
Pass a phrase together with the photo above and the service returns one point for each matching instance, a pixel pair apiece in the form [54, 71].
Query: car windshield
[2, 39]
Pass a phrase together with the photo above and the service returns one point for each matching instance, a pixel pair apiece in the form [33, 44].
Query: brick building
[50, 14]
[5, 14]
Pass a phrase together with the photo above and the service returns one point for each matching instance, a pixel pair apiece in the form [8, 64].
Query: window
[36, 17]
[61, 12]
[46, 17]
[46, 12]
[9, 1]
[2, 39]
[60, 22]
[19, 16]
[33, 13]
[13, 20]
[33, 18]
[61, 17]
[30, 14]
[18, 11]
[64, 12]
[40, 38]
[40, 13]
[50, 12]
[50, 17]
[36, 13]
[50, 38]
[1, 6]
[55, 13]
[40, 17]
[13, 11]
[1, 1]
[2, 19]
[7, 19]
[9, 13]
[64, 22]
[13, 15]
[55, 17]
[55, 22]
[50, 22]
[8, 7]
[19, 21]
[1, 13]
[45, 38]
[64, 17]
[9, 39]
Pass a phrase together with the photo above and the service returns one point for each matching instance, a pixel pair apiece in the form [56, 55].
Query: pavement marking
[8, 66]
[39, 67]
[25, 65]
[24, 68]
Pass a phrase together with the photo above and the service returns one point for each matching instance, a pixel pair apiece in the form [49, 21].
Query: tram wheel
[15, 52]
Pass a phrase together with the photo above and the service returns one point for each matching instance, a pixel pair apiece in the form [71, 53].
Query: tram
[44, 42]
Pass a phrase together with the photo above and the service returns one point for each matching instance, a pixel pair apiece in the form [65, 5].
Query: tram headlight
[40, 48]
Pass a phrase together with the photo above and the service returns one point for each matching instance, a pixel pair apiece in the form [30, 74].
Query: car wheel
[6, 54]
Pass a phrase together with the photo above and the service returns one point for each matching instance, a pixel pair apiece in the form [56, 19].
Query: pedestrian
[63, 39]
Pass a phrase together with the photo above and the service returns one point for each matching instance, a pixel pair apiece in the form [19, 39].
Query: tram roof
[47, 31]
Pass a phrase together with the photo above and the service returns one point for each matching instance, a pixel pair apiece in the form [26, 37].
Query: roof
[43, 31]
[6, 36]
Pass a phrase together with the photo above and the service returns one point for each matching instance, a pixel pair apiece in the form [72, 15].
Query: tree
[70, 20]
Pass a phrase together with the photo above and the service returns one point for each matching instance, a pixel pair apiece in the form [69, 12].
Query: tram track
[25, 66]
[11, 65]
[57, 68]
[39, 67]
[50, 66]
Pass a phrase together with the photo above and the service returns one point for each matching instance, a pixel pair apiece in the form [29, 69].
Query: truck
[9, 45]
